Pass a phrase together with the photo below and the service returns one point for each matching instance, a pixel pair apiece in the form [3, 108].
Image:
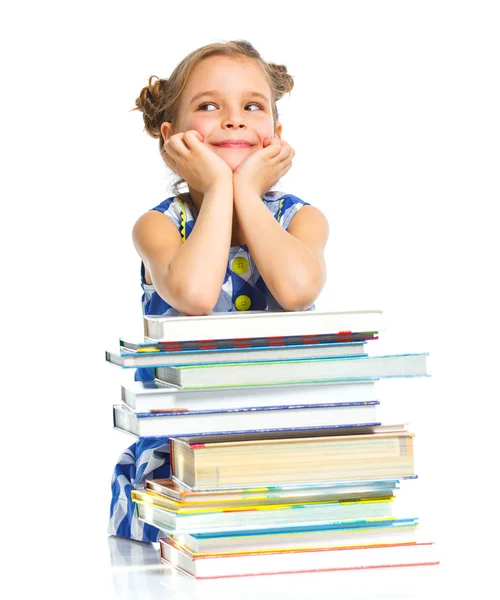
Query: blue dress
[243, 289]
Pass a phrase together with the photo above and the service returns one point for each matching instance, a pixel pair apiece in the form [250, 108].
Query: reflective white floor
[136, 572]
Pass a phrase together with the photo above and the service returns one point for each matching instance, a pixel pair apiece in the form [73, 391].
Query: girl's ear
[166, 130]
[278, 128]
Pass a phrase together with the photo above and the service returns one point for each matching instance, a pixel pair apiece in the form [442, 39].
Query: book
[170, 422]
[245, 343]
[148, 496]
[382, 531]
[189, 357]
[203, 566]
[170, 488]
[282, 516]
[144, 396]
[292, 457]
[264, 324]
[294, 371]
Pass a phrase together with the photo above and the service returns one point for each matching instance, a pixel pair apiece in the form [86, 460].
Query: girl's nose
[234, 122]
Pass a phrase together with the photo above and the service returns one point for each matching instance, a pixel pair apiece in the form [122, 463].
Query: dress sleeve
[171, 208]
[289, 205]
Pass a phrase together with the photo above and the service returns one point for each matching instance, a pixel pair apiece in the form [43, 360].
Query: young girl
[228, 243]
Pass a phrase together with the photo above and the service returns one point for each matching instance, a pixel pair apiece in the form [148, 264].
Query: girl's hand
[264, 168]
[199, 166]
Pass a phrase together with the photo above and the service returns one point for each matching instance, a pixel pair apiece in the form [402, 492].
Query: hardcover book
[203, 566]
[294, 371]
[126, 345]
[148, 496]
[378, 531]
[189, 357]
[219, 326]
[261, 517]
[170, 422]
[144, 396]
[292, 457]
[174, 490]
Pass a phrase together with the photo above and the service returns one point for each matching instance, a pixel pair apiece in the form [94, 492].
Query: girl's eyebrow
[215, 93]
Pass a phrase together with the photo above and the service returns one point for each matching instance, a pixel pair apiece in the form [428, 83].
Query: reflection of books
[254, 324]
[294, 371]
[151, 395]
[262, 517]
[259, 563]
[169, 422]
[285, 458]
[188, 357]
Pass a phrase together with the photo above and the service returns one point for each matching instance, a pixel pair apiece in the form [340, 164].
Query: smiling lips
[234, 144]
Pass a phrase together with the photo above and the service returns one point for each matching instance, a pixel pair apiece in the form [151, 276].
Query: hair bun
[148, 101]
[283, 81]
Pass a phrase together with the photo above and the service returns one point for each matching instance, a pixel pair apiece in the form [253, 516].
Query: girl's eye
[207, 104]
[203, 106]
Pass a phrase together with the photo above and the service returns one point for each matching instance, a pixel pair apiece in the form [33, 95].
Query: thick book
[253, 324]
[282, 516]
[189, 357]
[171, 489]
[292, 457]
[144, 396]
[294, 371]
[206, 566]
[126, 345]
[170, 422]
[382, 531]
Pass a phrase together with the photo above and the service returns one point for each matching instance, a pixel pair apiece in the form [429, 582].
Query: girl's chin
[233, 159]
[234, 163]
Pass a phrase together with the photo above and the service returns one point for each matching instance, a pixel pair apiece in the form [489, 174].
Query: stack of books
[278, 460]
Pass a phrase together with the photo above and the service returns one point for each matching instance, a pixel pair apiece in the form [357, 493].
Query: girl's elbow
[299, 301]
[302, 297]
[189, 299]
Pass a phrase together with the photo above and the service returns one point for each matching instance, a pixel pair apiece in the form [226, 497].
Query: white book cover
[265, 324]
[270, 418]
[152, 395]
[208, 566]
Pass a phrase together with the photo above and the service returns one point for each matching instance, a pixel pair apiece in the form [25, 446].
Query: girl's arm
[291, 262]
[189, 275]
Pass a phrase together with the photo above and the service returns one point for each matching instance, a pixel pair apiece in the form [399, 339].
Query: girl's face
[228, 101]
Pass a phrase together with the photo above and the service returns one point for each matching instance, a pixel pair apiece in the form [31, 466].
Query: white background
[394, 118]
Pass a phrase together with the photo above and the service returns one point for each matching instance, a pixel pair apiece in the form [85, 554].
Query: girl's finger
[170, 161]
[178, 145]
[274, 148]
[192, 138]
[286, 153]
[171, 153]
[286, 168]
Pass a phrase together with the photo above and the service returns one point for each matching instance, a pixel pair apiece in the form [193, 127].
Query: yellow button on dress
[242, 302]
[239, 265]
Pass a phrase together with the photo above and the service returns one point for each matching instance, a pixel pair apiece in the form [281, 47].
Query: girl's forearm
[197, 271]
[293, 274]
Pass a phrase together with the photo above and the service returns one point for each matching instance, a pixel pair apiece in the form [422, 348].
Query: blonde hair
[159, 100]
